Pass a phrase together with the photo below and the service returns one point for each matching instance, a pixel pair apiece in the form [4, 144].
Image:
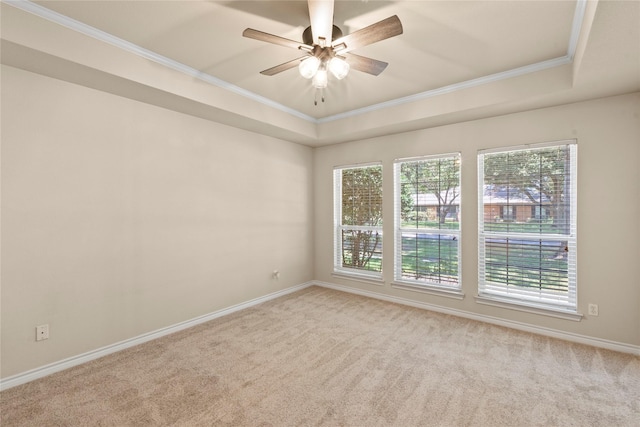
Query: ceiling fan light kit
[334, 56]
[309, 67]
[321, 79]
[339, 67]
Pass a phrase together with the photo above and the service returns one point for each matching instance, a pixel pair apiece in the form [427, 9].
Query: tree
[361, 206]
[541, 175]
[538, 174]
[440, 177]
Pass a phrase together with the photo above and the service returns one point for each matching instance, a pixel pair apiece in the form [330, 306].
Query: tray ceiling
[446, 46]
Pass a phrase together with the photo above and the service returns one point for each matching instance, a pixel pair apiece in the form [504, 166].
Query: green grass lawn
[435, 225]
[542, 265]
[427, 257]
[546, 227]
[527, 264]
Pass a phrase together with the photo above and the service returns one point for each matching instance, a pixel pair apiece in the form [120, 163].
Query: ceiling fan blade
[381, 30]
[270, 38]
[364, 64]
[282, 67]
[321, 17]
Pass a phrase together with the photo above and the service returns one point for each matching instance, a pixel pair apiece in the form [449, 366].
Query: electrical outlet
[593, 309]
[42, 332]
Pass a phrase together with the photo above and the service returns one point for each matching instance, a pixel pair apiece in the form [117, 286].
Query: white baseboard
[61, 365]
[554, 333]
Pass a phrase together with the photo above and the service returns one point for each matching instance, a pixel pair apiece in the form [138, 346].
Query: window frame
[427, 285]
[545, 301]
[338, 265]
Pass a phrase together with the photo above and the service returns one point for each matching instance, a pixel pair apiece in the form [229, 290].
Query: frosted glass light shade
[309, 67]
[339, 68]
[320, 79]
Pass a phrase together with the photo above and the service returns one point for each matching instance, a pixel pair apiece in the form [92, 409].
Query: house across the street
[500, 205]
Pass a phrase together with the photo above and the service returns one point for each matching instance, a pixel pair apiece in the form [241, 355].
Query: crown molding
[48, 14]
[527, 69]
[103, 36]
[576, 28]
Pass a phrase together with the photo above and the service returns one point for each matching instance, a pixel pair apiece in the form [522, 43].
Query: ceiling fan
[325, 47]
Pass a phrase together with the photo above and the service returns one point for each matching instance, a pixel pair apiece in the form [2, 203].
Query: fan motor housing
[307, 37]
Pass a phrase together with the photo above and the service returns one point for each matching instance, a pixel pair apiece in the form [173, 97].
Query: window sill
[359, 278]
[433, 290]
[528, 308]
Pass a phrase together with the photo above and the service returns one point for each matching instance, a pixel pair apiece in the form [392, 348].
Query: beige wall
[120, 218]
[608, 135]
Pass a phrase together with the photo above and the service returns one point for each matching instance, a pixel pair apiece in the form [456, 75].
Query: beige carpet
[320, 357]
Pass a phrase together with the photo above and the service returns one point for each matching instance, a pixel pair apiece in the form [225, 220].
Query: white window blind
[427, 221]
[358, 220]
[527, 225]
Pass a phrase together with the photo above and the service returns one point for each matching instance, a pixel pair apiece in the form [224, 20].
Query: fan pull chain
[315, 96]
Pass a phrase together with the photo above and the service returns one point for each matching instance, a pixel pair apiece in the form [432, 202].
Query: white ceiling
[456, 60]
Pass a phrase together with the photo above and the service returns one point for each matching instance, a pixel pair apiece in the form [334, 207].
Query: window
[427, 221]
[527, 225]
[358, 220]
